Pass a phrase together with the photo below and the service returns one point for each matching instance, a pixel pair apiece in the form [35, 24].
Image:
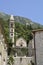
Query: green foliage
[20, 29]
[5, 28]
[24, 51]
[24, 32]
[29, 64]
[10, 60]
[9, 44]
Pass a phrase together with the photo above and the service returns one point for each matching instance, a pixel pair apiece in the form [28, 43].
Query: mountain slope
[21, 20]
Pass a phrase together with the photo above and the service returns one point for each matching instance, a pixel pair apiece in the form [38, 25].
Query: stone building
[22, 52]
[21, 42]
[11, 28]
[38, 46]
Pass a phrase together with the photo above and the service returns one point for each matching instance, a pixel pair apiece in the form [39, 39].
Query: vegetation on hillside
[21, 20]
[21, 30]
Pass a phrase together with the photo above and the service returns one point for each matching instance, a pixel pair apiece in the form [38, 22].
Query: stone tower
[11, 28]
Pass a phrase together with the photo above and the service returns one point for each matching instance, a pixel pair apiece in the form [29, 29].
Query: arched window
[11, 25]
[21, 45]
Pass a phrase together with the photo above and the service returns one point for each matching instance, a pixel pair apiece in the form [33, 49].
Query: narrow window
[12, 25]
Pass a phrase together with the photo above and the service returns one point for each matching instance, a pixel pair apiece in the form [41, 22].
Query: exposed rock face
[3, 50]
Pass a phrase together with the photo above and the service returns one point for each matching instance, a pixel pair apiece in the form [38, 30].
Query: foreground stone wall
[3, 52]
[23, 60]
[39, 47]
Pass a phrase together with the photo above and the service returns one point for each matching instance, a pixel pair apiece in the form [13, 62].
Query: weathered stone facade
[21, 42]
[22, 60]
[11, 28]
[3, 51]
[38, 46]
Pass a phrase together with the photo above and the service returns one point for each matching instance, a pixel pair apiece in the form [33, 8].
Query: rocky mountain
[21, 20]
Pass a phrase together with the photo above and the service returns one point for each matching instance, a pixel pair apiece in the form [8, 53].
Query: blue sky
[31, 9]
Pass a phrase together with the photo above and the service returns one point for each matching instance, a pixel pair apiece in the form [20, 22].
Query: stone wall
[3, 52]
[23, 60]
[39, 47]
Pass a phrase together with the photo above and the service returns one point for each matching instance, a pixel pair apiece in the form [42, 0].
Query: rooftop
[11, 17]
[37, 30]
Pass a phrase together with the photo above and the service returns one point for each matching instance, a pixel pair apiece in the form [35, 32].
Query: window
[20, 59]
[21, 45]
[3, 59]
[0, 53]
[12, 34]
[12, 25]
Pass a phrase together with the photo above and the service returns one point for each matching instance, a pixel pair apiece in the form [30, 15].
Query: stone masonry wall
[3, 52]
[39, 47]
[22, 61]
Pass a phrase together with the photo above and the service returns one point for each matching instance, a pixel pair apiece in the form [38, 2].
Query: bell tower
[11, 28]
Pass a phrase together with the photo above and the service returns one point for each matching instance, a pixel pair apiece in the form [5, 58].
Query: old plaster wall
[39, 47]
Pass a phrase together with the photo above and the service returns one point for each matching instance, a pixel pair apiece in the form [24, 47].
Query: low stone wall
[22, 60]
